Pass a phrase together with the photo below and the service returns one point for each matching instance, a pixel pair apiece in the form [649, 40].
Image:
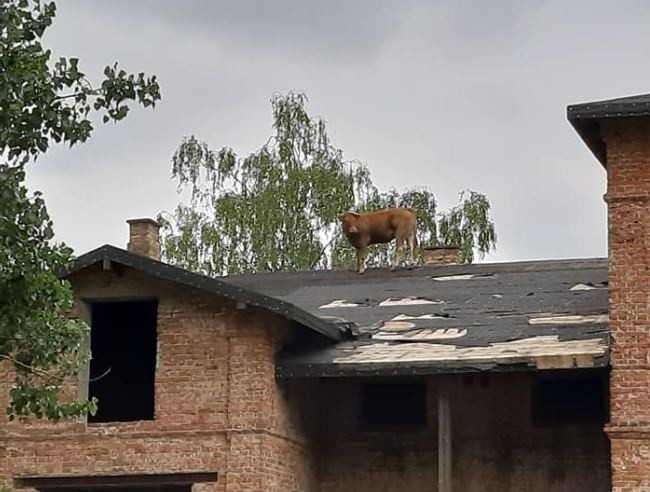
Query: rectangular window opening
[566, 401]
[393, 405]
[123, 365]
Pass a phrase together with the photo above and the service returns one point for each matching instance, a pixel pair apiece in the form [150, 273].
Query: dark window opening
[558, 401]
[477, 380]
[385, 405]
[123, 364]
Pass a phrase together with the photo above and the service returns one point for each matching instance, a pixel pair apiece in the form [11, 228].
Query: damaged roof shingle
[482, 316]
[542, 314]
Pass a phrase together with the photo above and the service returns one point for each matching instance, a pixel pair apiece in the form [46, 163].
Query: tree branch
[41, 372]
[32, 369]
[91, 92]
[105, 373]
[322, 251]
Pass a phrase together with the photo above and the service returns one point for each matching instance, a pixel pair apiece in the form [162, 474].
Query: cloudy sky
[449, 94]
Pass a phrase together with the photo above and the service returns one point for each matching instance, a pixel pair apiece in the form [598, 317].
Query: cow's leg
[362, 253]
[399, 245]
[411, 241]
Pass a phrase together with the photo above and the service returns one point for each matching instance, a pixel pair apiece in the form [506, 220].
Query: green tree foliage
[277, 208]
[43, 101]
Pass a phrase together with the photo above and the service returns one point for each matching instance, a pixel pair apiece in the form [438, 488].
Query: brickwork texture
[628, 197]
[218, 407]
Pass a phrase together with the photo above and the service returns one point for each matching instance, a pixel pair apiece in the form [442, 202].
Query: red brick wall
[217, 405]
[628, 195]
[495, 446]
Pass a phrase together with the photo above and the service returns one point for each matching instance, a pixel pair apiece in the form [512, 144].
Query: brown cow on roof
[381, 226]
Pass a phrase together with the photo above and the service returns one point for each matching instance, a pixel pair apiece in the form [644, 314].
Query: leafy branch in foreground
[43, 102]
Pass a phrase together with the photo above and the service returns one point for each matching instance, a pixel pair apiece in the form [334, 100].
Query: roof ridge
[427, 269]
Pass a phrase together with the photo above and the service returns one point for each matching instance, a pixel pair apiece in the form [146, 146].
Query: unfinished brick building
[445, 377]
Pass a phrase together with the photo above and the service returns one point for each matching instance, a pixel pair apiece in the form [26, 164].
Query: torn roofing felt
[543, 314]
[539, 314]
[238, 293]
[586, 118]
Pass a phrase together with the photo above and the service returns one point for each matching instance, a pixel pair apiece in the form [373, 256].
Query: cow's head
[349, 221]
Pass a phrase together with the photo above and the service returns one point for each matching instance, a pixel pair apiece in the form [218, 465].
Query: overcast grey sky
[449, 94]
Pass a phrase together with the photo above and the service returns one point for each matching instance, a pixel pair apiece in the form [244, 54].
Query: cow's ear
[355, 214]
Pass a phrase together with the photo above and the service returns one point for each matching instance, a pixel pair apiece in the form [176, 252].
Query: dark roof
[431, 319]
[638, 105]
[525, 315]
[586, 118]
[238, 293]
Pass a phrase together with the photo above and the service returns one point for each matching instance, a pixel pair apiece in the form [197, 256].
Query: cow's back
[381, 226]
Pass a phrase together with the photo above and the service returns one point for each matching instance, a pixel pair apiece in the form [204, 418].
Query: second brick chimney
[441, 255]
[144, 238]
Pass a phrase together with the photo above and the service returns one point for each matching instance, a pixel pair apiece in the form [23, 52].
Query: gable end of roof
[219, 287]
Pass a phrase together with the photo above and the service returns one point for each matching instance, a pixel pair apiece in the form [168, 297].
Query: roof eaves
[589, 132]
[288, 369]
[219, 287]
[618, 110]
[638, 105]
[586, 118]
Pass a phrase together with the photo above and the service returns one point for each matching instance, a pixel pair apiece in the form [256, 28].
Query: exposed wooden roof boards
[531, 315]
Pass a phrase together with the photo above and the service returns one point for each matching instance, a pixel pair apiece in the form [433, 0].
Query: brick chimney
[144, 238]
[441, 255]
[618, 133]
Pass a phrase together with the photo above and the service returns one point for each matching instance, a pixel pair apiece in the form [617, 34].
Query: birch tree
[278, 207]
